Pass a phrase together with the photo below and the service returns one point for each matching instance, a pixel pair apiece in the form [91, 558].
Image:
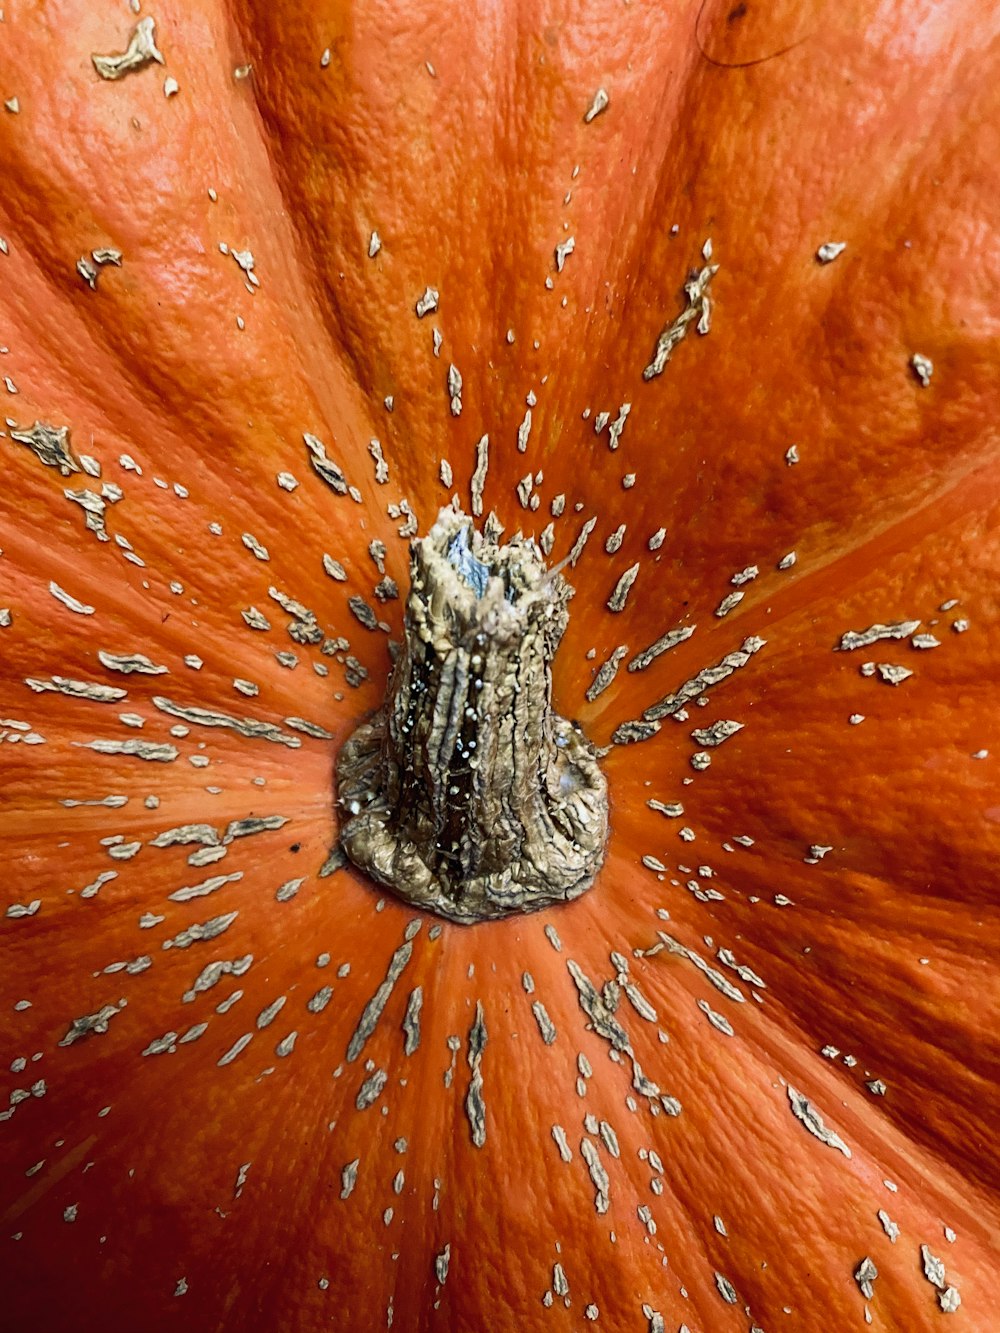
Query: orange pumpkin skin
[171, 1191]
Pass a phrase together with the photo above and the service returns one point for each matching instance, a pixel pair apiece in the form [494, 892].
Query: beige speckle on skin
[141, 51]
[923, 368]
[563, 251]
[599, 102]
[455, 390]
[829, 251]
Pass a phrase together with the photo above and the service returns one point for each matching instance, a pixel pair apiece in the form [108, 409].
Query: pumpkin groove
[216, 1192]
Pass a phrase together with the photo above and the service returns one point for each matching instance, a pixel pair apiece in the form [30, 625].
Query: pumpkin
[700, 297]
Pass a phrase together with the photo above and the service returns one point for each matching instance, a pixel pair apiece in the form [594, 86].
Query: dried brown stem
[466, 794]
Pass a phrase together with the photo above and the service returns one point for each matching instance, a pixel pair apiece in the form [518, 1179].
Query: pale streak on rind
[129, 662]
[475, 1107]
[70, 602]
[697, 311]
[160, 753]
[606, 673]
[804, 1111]
[479, 475]
[900, 629]
[375, 1007]
[251, 728]
[411, 1021]
[616, 602]
[77, 689]
[704, 680]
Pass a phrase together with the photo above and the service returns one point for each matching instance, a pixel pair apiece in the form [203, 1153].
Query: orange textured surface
[185, 1164]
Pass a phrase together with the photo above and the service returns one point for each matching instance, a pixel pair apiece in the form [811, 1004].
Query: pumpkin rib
[375, 971]
[811, 585]
[156, 358]
[947, 882]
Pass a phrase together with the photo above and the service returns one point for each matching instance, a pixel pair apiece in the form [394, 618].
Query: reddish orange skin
[770, 129]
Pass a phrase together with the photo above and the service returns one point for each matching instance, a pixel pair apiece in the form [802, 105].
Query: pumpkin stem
[466, 794]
